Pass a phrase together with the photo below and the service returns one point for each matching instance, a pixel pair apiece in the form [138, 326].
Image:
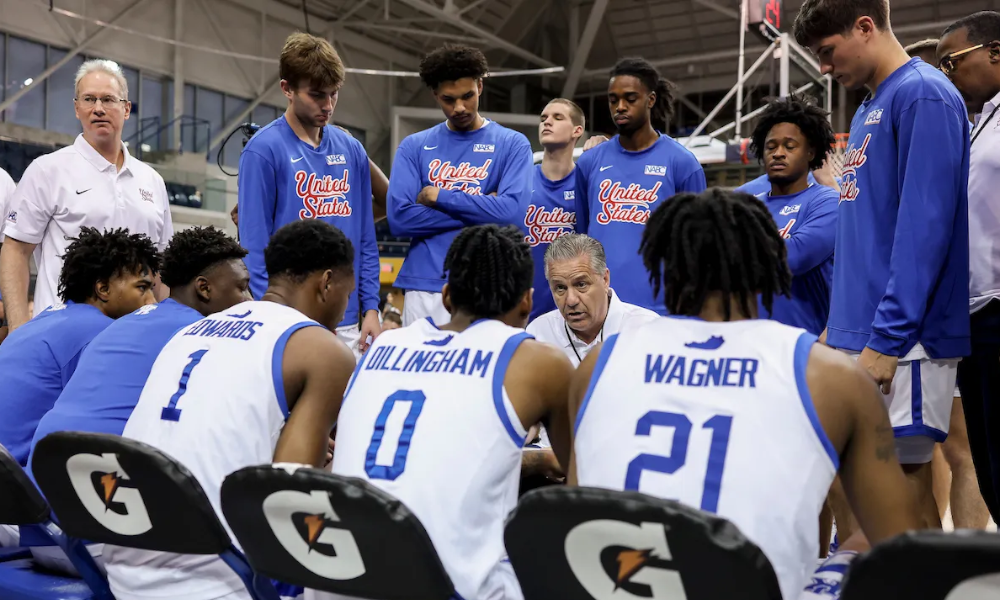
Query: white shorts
[350, 335]
[50, 557]
[919, 406]
[420, 305]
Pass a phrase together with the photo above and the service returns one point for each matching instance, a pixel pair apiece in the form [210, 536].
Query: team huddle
[735, 367]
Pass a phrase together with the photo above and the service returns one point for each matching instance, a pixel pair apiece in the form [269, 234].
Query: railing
[149, 128]
[190, 128]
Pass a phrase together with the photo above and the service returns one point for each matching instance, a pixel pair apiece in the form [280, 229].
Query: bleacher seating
[388, 244]
[183, 195]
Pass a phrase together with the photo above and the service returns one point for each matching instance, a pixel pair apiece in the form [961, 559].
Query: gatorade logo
[614, 560]
[102, 486]
[309, 529]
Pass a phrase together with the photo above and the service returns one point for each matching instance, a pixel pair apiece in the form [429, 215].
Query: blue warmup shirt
[112, 371]
[808, 223]
[550, 211]
[762, 185]
[283, 179]
[38, 360]
[467, 166]
[616, 190]
[902, 269]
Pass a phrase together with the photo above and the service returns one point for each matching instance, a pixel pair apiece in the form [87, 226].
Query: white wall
[242, 29]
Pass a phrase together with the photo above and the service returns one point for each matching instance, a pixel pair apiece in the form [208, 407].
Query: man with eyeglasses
[969, 54]
[93, 183]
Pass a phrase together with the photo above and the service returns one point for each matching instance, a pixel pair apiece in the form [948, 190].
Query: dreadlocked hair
[715, 241]
[641, 69]
[194, 251]
[803, 113]
[489, 270]
[93, 257]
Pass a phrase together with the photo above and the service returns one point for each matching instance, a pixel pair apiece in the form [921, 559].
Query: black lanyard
[572, 345]
[983, 126]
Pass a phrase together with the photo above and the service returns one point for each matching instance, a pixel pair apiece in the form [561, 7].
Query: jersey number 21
[720, 426]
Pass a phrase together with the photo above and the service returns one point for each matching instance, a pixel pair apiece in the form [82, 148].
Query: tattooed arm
[853, 414]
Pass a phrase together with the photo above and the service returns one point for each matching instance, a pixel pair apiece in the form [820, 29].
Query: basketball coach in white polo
[93, 183]
[587, 310]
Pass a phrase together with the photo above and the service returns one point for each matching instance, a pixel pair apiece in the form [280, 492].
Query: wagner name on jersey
[718, 417]
[427, 419]
[213, 402]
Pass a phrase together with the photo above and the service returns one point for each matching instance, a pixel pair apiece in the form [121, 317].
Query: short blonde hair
[102, 65]
[309, 58]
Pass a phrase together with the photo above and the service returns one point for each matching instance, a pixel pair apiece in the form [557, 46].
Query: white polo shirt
[551, 328]
[7, 186]
[984, 209]
[76, 187]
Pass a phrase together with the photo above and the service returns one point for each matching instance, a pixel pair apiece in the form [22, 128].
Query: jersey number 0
[720, 426]
[391, 472]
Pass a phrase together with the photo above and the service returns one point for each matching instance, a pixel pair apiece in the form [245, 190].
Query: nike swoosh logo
[295, 160]
[603, 169]
[430, 147]
[78, 192]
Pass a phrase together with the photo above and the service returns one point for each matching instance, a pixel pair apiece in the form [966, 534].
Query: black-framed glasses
[106, 101]
[948, 63]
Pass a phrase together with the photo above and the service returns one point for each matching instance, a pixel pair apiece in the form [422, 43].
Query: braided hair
[489, 270]
[715, 241]
[641, 69]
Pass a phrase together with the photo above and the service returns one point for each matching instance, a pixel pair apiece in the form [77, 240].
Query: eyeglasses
[948, 62]
[106, 101]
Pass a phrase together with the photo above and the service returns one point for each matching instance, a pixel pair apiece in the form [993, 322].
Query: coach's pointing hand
[881, 367]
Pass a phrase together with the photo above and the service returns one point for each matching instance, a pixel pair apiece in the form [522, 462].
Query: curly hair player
[233, 409]
[792, 138]
[205, 272]
[465, 171]
[481, 370]
[104, 276]
[620, 182]
[718, 398]
[899, 302]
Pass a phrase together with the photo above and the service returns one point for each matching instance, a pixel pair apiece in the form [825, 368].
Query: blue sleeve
[932, 144]
[694, 182]
[368, 278]
[257, 200]
[69, 368]
[814, 239]
[515, 179]
[406, 217]
[582, 188]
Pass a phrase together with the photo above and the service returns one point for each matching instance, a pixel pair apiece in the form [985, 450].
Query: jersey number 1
[416, 399]
[170, 411]
[720, 426]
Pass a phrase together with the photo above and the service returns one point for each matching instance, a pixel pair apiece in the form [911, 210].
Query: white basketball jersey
[215, 402]
[717, 416]
[427, 419]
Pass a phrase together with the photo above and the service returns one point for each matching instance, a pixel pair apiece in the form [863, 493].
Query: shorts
[50, 557]
[351, 336]
[919, 406]
[420, 305]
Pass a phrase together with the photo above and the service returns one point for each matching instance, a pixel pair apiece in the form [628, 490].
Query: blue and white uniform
[550, 212]
[214, 401]
[397, 430]
[808, 223]
[719, 417]
[38, 360]
[901, 277]
[483, 176]
[283, 179]
[617, 190]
